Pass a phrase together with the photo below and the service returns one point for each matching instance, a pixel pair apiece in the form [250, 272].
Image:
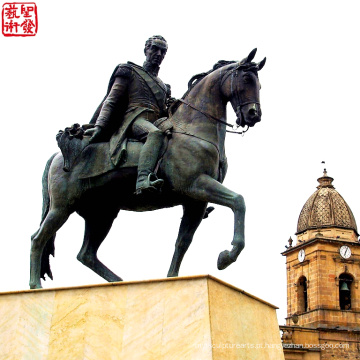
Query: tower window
[345, 283]
[302, 294]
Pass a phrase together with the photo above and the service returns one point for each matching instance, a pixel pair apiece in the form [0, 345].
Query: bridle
[232, 72]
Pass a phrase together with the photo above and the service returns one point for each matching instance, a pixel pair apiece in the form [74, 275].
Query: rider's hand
[95, 133]
[170, 101]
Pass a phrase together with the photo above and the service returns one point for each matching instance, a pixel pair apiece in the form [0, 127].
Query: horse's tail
[49, 248]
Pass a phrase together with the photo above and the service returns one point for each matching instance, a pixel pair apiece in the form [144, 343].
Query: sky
[309, 100]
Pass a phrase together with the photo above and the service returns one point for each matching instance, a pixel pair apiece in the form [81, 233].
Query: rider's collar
[152, 69]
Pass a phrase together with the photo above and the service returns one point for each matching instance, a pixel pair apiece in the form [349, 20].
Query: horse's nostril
[253, 112]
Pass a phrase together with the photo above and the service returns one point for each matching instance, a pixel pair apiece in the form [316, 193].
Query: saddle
[94, 159]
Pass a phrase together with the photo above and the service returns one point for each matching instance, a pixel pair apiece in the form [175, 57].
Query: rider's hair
[150, 40]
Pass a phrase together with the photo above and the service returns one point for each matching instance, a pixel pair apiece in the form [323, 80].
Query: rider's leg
[150, 152]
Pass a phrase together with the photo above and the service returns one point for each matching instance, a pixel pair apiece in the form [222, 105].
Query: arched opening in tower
[302, 294]
[345, 284]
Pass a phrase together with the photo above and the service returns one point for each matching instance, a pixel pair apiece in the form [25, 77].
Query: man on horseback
[191, 166]
[136, 99]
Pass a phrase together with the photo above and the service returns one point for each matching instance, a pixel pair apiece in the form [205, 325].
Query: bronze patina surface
[192, 167]
[138, 97]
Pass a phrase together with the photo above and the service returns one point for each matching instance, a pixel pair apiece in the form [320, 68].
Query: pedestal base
[195, 318]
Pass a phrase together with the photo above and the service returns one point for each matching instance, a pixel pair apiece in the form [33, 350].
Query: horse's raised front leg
[205, 188]
[96, 229]
[193, 214]
[52, 223]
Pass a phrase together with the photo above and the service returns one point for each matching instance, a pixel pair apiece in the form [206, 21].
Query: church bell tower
[323, 271]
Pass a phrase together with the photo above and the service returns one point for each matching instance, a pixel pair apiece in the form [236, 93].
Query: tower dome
[326, 209]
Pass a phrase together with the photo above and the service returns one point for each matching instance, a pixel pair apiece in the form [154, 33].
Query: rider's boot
[147, 180]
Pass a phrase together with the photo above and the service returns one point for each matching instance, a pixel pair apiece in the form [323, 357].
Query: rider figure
[141, 98]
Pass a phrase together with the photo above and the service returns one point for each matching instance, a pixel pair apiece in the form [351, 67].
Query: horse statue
[193, 166]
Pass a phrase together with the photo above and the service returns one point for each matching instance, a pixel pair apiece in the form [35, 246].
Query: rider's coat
[141, 94]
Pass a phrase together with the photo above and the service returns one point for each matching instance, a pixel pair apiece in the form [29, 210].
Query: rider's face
[155, 55]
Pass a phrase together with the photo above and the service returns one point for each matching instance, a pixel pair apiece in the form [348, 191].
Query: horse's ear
[251, 55]
[261, 63]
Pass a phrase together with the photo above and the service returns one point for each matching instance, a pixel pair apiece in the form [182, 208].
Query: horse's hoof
[224, 260]
[172, 275]
[36, 286]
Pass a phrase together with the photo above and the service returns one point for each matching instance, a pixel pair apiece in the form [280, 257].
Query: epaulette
[123, 70]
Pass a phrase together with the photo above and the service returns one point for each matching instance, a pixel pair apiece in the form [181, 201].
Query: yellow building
[323, 271]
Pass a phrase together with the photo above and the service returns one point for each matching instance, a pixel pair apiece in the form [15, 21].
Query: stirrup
[149, 183]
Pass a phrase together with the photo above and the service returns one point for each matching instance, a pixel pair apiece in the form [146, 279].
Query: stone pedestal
[195, 318]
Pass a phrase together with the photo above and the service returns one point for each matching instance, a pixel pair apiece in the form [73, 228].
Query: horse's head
[241, 86]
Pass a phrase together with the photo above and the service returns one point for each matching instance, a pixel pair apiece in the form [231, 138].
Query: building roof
[325, 208]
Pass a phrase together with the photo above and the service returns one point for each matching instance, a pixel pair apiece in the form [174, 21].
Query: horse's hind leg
[51, 224]
[206, 188]
[96, 229]
[193, 214]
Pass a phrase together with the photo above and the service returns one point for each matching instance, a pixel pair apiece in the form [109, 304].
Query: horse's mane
[249, 66]
[198, 77]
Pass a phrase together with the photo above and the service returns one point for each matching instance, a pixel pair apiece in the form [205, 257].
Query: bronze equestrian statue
[191, 167]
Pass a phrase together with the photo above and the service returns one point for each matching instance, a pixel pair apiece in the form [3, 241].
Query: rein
[238, 109]
[206, 114]
[219, 120]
